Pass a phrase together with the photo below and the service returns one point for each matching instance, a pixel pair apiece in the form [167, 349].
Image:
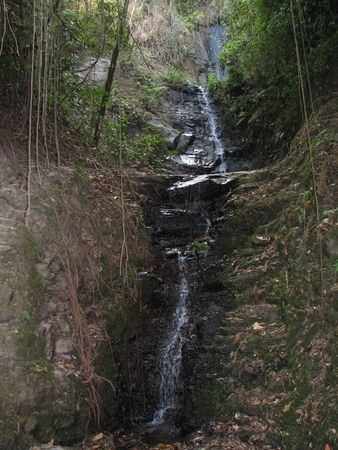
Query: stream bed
[181, 228]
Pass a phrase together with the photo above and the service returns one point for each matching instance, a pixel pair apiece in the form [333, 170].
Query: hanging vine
[304, 105]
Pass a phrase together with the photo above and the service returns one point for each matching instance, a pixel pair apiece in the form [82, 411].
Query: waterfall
[213, 125]
[216, 42]
[169, 366]
[199, 119]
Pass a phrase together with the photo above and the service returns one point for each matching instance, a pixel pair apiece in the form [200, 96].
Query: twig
[4, 30]
[29, 171]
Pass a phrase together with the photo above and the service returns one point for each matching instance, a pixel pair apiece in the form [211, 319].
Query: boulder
[187, 221]
[183, 141]
[195, 159]
[235, 152]
[203, 187]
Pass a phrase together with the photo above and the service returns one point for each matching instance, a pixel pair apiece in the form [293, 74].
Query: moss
[65, 427]
[16, 439]
[209, 403]
[33, 370]
[265, 347]
[312, 428]
[30, 340]
[12, 428]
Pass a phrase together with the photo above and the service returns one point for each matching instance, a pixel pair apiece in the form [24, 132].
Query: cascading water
[216, 42]
[213, 125]
[202, 128]
[169, 367]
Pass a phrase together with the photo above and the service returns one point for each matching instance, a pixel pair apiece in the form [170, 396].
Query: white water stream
[170, 359]
[209, 110]
[169, 367]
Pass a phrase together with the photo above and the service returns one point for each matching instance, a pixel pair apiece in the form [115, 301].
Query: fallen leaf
[237, 338]
[287, 407]
[256, 326]
[98, 437]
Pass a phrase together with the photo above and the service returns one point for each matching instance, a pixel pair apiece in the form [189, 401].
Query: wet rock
[235, 164]
[154, 186]
[213, 285]
[234, 152]
[183, 141]
[171, 253]
[180, 221]
[203, 187]
[198, 158]
[164, 433]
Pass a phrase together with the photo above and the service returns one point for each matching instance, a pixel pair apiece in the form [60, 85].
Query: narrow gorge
[168, 224]
[181, 226]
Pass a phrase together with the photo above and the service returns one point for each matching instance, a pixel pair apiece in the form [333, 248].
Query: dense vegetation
[277, 238]
[260, 97]
[50, 52]
[42, 43]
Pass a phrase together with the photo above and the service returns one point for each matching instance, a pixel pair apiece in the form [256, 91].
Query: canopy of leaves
[262, 90]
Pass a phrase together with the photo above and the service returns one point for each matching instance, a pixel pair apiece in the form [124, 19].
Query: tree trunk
[111, 72]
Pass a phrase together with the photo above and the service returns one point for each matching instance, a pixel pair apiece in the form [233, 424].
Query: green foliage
[215, 84]
[329, 212]
[79, 106]
[139, 214]
[194, 20]
[335, 268]
[200, 248]
[152, 89]
[93, 28]
[260, 98]
[176, 77]
[147, 149]
[124, 128]
[80, 174]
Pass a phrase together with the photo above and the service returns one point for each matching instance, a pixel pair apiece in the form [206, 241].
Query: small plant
[215, 84]
[139, 214]
[200, 249]
[152, 90]
[177, 77]
[80, 173]
[335, 268]
[25, 316]
[329, 213]
[194, 20]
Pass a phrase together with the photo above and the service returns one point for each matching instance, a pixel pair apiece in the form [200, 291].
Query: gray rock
[36, 340]
[204, 187]
[254, 367]
[235, 152]
[180, 221]
[331, 245]
[183, 141]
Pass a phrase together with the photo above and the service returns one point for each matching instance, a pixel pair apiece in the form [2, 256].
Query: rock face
[39, 393]
[183, 141]
[179, 220]
[203, 187]
[179, 213]
[187, 118]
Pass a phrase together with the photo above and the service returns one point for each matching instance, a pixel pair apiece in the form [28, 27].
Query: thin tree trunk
[110, 77]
